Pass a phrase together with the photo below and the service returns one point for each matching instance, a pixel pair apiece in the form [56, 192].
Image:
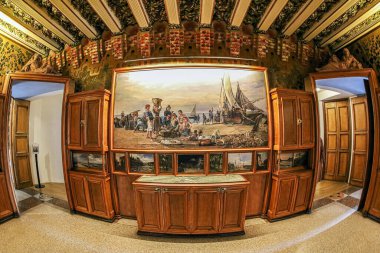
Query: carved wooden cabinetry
[87, 139]
[293, 118]
[294, 139]
[87, 120]
[190, 208]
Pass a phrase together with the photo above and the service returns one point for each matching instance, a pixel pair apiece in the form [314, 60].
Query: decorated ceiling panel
[189, 11]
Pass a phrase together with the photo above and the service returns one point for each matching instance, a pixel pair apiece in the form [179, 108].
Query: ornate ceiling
[43, 25]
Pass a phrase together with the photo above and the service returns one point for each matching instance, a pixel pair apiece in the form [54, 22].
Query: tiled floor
[30, 197]
[349, 197]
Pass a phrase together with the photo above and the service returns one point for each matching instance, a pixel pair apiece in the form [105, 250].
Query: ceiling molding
[352, 23]
[301, 16]
[104, 11]
[139, 12]
[43, 18]
[29, 30]
[207, 11]
[75, 17]
[10, 31]
[359, 31]
[271, 13]
[328, 18]
[172, 10]
[239, 12]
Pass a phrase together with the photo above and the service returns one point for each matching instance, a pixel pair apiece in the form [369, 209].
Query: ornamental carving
[255, 11]
[89, 14]
[348, 61]
[190, 10]
[122, 12]
[37, 65]
[287, 13]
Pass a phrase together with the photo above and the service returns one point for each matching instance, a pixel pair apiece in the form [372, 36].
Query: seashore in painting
[190, 108]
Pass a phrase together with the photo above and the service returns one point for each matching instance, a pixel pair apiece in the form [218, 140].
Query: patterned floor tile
[30, 191]
[322, 202]
[350, 202]
[357, 194]
[28, 203]
[58, 202]
[351, 189]
[21, 195]
[338, 196]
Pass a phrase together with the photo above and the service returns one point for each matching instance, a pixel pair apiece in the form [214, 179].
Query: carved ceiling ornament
[37, 65]
[348, 61]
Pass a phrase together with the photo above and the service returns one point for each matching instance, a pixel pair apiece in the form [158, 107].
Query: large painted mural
[190, 108]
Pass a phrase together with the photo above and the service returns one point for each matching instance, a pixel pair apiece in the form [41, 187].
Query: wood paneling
[5, 204]
[289, 110]
[257, 193]
[125, 194]
[337, 139]
[78, 188]
[74, 115]
[360, 133]
[191, 209]
[20, 144]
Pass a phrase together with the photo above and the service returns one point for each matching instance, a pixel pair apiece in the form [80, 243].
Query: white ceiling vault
[44, 25]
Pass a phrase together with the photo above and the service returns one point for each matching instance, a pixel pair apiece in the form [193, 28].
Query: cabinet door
[256, 193]
[148, 209]
[289, 122]
[78, 189]
[99, 197]
[92, 116]
[206, 210]
[5, 204]
[74, 129]
[307, 122]
[375, 201]
[233, 209]
[176, 210]
[283, 191]
[303, 192]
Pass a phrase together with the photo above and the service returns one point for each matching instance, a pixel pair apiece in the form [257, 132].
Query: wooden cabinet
[293, 118]
[87, 114]
[5, 204]
[92, 194]
[290, 193]
[190, 209]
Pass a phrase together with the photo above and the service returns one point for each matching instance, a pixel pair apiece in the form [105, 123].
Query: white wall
[45, 129]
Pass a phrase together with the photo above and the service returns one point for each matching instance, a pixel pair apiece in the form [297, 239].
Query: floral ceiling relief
[190, 10]
[287, 13]
[89, 14]
[223, 10]
[255, 11]
[122, 12]
[156, 11]
[12, 56]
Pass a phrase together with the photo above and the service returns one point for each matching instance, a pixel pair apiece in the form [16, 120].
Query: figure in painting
[148, 115]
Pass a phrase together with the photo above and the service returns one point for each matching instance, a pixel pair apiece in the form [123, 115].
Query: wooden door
[20, 144]
[337, 140]
[306, 123]
[148, 207]
[5, 204]
[283, 192]
[92, 134]
[74, 123]
[233, 209]
[206, 210]
[289, 124]
[374, 208]
[303, 192]
[176, 210]
[360, 133]
[79, 192]
[99, 205]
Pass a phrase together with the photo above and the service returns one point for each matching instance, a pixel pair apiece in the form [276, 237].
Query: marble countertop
[211, 179]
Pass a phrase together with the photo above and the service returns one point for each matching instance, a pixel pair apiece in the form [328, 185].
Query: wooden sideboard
[191, 204]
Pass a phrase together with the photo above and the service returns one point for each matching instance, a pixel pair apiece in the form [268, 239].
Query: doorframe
[6, 90]
[373, 86]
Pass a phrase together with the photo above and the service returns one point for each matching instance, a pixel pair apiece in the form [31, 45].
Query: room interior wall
[45, 129]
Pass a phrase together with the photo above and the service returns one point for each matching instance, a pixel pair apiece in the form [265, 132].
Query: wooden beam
[338, 10]
[139, 12]
[360, 33]
[172, 10]
[102, 8]
[44, 19]
[75, 17]
[29, 30]
[301, 16]
[271, 13]
[239, 12]
[352, 23]
[207, 11]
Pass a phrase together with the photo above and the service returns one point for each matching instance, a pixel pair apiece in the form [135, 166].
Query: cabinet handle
[299, 121]
[224, 189]
[165, 190]
[157, 189]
